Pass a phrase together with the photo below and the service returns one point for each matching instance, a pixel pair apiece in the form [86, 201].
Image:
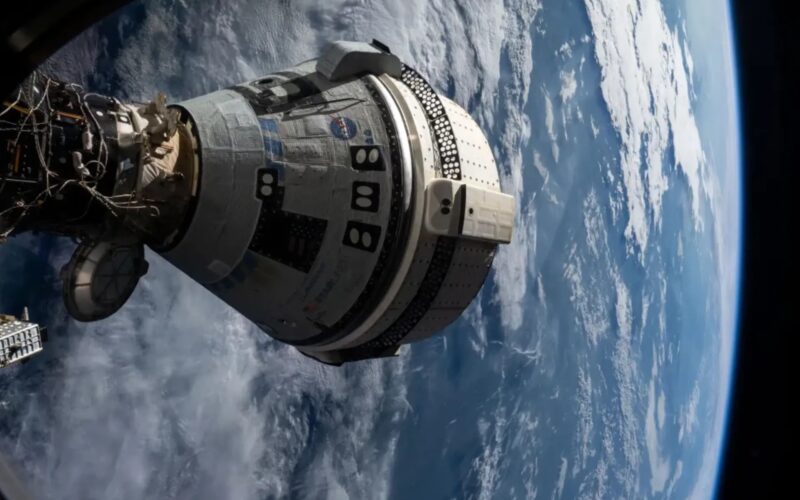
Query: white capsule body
[332, 213]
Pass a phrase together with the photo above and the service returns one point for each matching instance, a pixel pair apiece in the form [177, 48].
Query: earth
[596, 362]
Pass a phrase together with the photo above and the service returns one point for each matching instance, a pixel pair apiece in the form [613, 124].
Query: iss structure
[343, 205]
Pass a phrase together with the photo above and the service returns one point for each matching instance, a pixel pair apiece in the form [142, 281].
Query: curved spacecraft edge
[342, 205]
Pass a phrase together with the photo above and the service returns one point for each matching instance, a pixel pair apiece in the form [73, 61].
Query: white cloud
[547, 189]
[594, 225]
[675, 477]
[591, 308]
[474, 315]
[178, 393]
[569, 85]
[526, 441]
[688, 59]
[565, 50]
[540, 293]
[624, 361]
[549, 122]
[562, 477]
[487, 465]
[512, 263]
[584, 398]
[660, 467]
[512, 266]
[687, 419]
[646, 91]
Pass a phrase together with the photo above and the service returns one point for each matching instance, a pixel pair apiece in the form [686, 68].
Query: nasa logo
[343, 128]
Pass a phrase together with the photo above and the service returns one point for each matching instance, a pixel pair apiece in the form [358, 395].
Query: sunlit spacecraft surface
[342, 205]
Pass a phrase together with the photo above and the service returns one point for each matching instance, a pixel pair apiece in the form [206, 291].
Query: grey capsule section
[465, 218]
[343, 213]
[339, 197]
[226, 210]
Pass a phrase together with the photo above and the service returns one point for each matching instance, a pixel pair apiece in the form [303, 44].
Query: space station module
[343, 205]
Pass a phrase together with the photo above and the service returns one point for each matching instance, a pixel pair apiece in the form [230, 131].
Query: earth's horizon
[596, 361]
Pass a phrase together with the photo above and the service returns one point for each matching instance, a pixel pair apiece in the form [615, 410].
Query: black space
[754, 460]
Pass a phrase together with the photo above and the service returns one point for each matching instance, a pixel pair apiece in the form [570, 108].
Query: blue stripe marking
[273, 146]
[268, 125]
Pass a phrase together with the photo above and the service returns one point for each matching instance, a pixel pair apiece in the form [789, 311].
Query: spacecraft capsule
[343, 205]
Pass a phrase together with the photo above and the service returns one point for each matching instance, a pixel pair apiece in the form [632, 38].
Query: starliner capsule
[343, 205]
